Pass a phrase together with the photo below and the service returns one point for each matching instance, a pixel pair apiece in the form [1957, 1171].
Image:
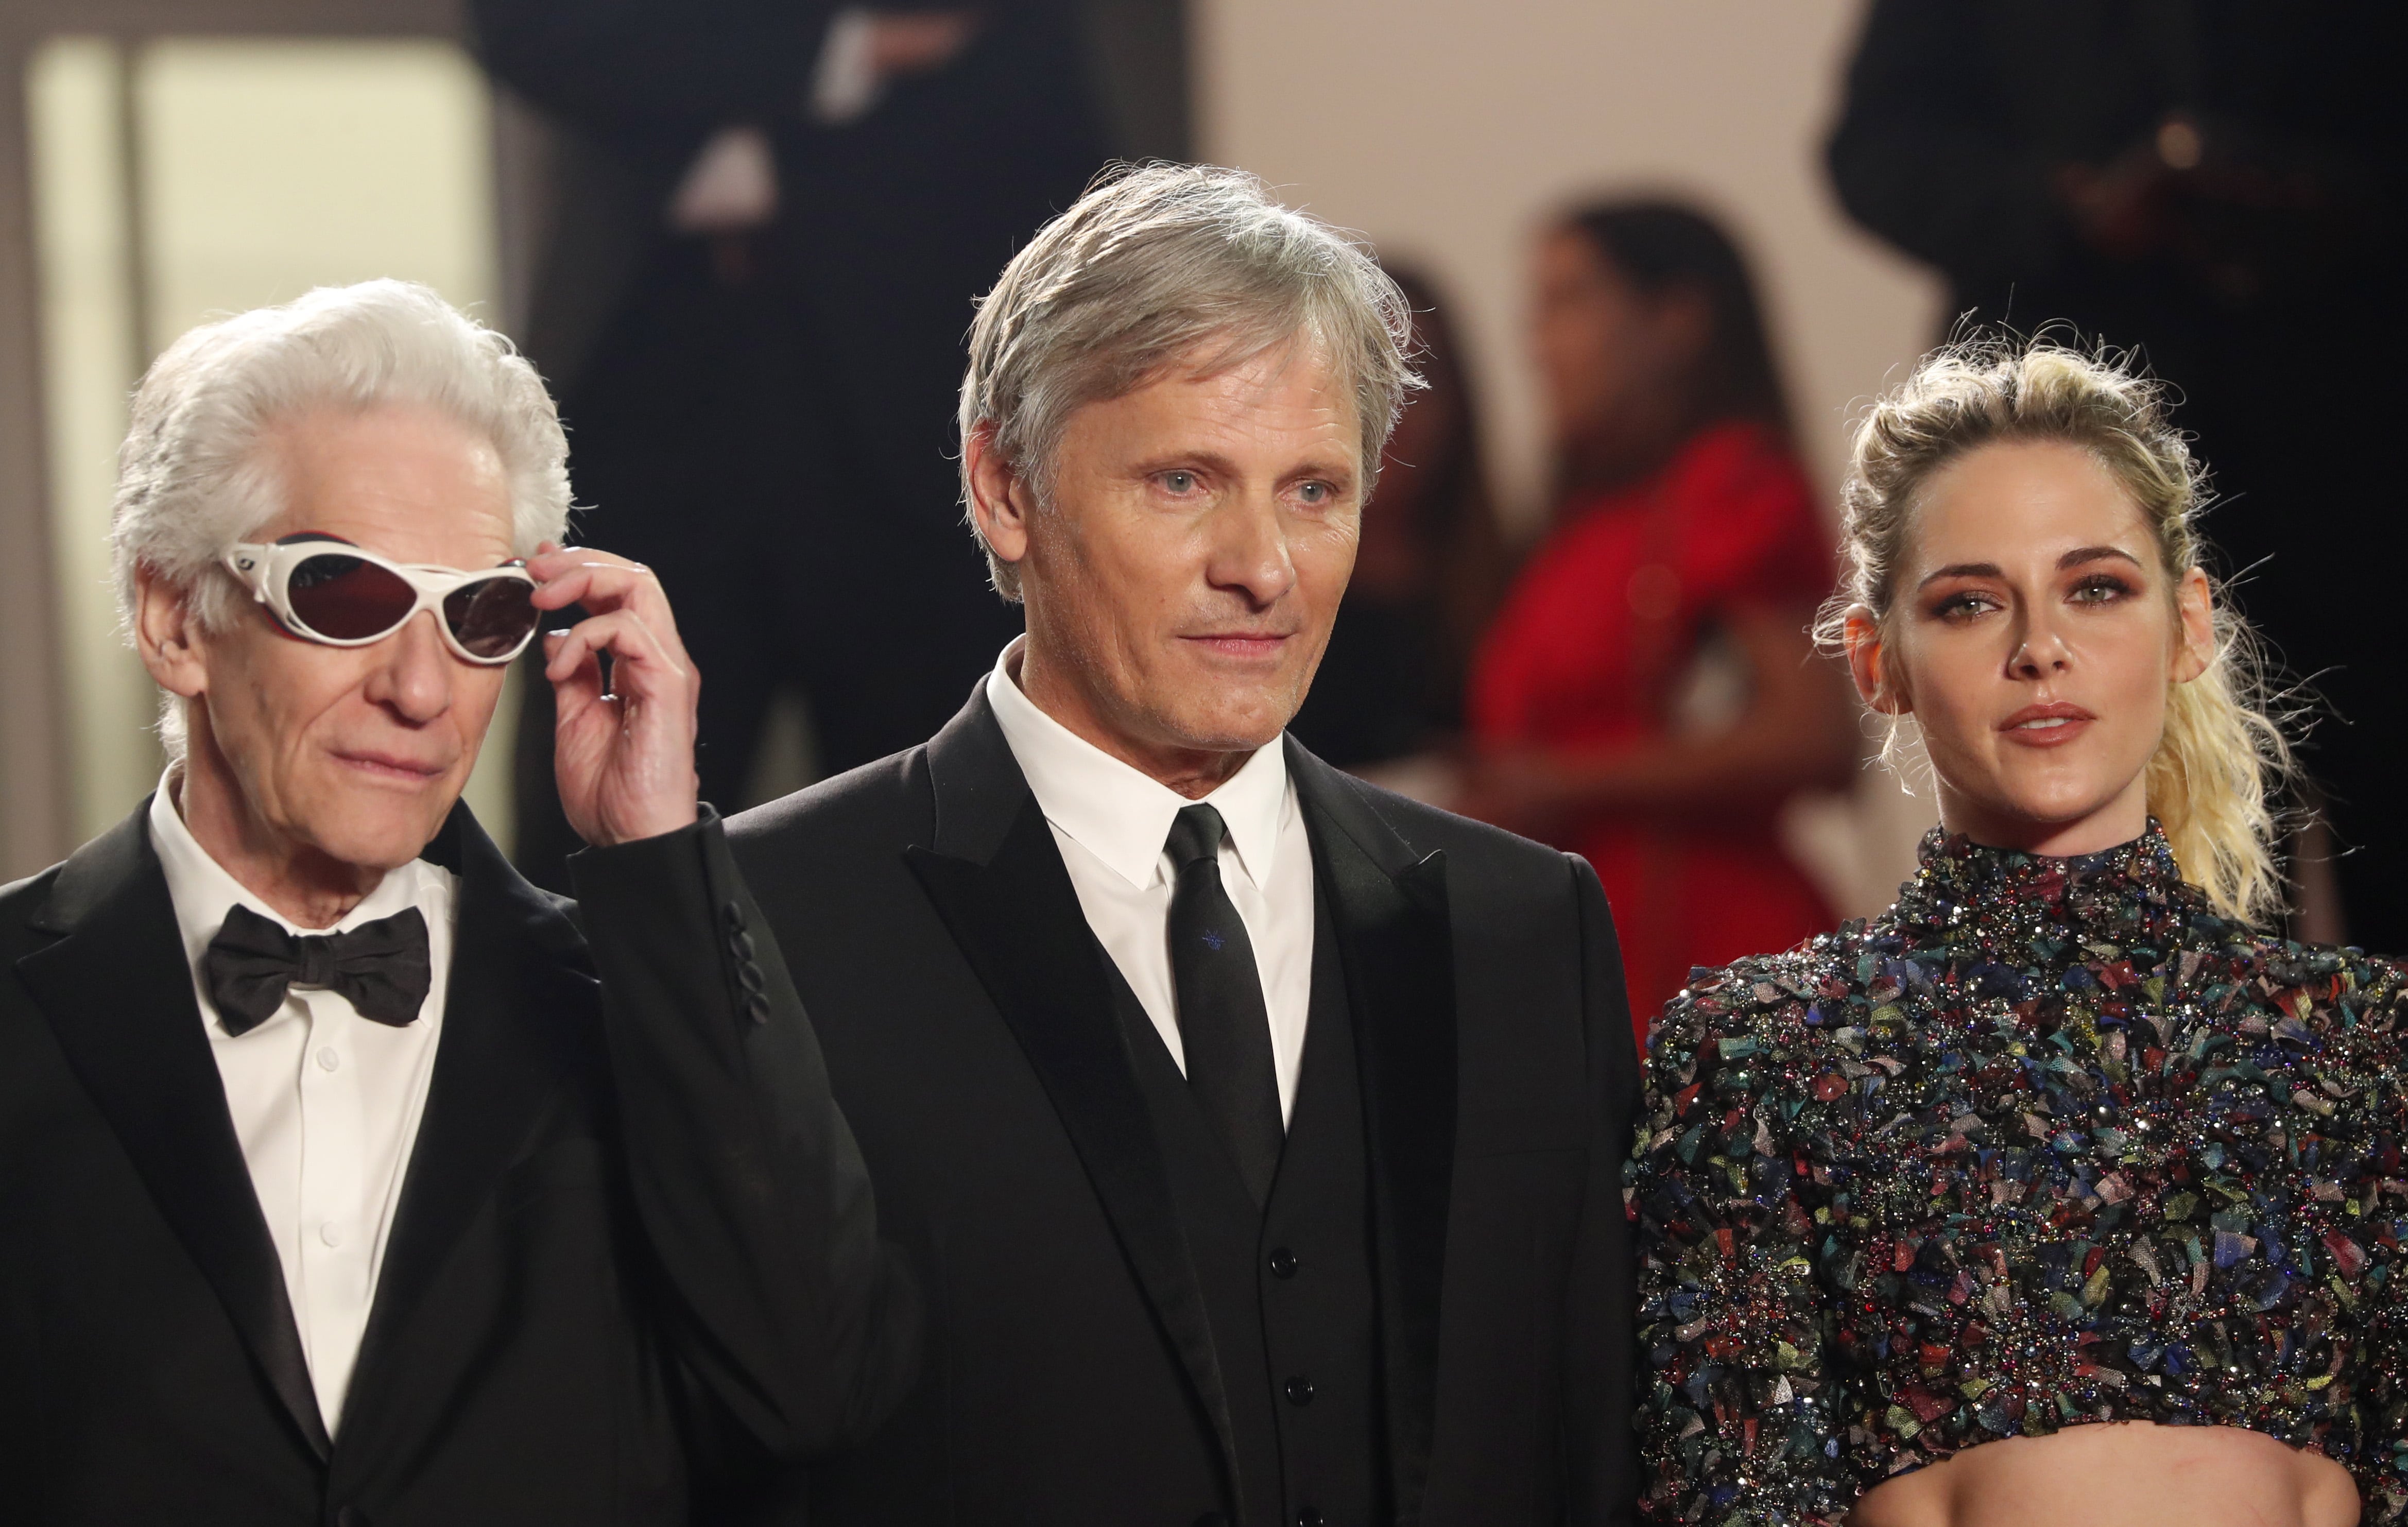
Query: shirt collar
[1119, 814]
[203, 891]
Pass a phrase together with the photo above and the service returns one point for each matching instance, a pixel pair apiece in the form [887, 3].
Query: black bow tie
[381, 967]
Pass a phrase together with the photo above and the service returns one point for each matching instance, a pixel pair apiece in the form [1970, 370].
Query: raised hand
[623, 757]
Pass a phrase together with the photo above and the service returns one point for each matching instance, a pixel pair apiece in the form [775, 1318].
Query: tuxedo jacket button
[756, 1007]
[739, 944]
[734, 912]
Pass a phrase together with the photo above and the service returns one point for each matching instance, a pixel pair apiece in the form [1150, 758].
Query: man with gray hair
[1256, 1135]
[345, 1179]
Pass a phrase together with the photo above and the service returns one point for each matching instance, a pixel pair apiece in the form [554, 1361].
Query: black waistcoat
[1287, 1288]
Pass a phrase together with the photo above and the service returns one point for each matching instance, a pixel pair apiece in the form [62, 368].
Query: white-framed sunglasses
[323, 588]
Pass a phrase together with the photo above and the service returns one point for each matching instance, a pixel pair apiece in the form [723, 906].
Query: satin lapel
[1397, 941]
[998, 880]
[520, 1014]
[118, 994]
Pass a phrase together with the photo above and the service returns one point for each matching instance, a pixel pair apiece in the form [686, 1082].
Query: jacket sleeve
[1744, 1406]
[787, 1309]
[609, 65]
[1923, 157]
[1599, 1448]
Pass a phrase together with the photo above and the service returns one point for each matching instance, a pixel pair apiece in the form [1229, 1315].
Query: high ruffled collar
[1960, 880]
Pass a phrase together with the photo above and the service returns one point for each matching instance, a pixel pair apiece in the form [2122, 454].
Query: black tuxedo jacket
[633, 1267]
[1070, 1377]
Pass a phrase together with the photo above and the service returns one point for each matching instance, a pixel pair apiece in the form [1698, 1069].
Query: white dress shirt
[1112, 821]
[325, 1102]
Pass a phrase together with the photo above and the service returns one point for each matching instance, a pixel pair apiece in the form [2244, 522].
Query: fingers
[603, 583]
[643, 666]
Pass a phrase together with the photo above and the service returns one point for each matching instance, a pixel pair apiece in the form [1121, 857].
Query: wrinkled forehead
[405, 480]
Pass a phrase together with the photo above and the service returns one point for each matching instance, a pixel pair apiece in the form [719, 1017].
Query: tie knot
[1196, 835]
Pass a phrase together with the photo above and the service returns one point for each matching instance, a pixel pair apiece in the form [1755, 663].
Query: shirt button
[1299, 1390]
[330, 1059]
[1283, 1263]
[332, 1234]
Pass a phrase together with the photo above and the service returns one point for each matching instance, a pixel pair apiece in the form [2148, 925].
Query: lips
[2052, 724]
[394, 767]
[1241, 644]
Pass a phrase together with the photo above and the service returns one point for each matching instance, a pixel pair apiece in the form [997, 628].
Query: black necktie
[1222, 1025]
[381, 967]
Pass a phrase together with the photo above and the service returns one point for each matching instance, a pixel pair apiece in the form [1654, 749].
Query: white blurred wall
[1448, 131]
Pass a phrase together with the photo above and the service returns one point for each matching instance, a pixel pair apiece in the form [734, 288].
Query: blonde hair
[2223, 758]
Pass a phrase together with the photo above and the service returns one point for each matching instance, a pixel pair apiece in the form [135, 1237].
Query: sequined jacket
[2047, 1143]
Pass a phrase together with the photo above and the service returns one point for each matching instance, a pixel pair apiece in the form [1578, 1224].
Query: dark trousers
[715, 439]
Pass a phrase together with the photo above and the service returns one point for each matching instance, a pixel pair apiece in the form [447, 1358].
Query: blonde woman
[2060, 1192]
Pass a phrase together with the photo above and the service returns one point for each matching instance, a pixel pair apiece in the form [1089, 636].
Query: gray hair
[1163, 263]
[191, 478]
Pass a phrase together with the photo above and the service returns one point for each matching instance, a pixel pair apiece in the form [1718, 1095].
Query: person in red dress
[1648, 695]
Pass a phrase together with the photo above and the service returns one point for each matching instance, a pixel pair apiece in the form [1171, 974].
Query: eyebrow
[2073, 558]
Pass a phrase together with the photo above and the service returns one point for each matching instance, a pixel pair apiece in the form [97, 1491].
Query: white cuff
[732, 184]
[845, 82]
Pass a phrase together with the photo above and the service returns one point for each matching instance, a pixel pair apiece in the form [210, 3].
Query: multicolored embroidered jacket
[2048, 1143]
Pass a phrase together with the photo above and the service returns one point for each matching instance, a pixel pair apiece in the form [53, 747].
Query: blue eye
[1179, 482]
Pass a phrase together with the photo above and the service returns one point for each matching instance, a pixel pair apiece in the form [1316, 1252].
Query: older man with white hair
[345, 1178]
[1256, 1135]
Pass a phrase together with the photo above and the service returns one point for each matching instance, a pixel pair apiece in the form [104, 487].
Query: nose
[414, 681]
[1250, 553]
[2040, 652]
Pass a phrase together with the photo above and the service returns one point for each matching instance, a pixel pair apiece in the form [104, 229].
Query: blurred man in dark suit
[767, 224]
[2217, 183]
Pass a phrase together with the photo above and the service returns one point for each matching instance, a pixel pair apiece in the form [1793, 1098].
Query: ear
[167, 637]
[1000, 500]
[1861, 636]
[2195, 606]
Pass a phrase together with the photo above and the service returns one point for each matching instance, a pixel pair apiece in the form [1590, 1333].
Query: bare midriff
[2123, 1474]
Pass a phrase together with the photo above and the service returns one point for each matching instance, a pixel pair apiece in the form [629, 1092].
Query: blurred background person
[1648, 695]
[2217, 184]
[768, 222]
[1428, 571]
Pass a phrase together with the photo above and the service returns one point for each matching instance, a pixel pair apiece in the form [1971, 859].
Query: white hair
[191, 478]
[1161, 265]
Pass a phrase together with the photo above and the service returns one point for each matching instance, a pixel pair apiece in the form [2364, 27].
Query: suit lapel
[519, 994]
[998, 881]
[118, 994]
[1396, 940]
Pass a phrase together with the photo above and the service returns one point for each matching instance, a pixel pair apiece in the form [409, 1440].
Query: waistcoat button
[1307, 1517]
[1283, 1263]
[1299, 1390]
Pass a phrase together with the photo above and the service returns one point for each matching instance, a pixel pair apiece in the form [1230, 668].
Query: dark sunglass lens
[492, 618]
[346, 599]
